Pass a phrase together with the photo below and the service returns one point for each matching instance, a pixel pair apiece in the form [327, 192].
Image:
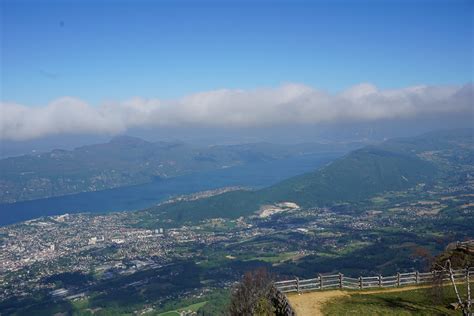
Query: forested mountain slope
[128, 161]
[391, 166]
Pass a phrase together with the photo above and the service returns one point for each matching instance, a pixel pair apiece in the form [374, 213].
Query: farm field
[192, 307]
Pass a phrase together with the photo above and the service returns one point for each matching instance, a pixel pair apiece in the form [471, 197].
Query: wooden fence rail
[335, 281]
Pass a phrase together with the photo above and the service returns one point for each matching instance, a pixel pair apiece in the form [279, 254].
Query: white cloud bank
[287, 104]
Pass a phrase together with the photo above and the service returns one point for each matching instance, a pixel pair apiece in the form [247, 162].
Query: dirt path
[310, 303]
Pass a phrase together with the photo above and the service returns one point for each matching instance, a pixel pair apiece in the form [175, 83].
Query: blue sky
[114, 50]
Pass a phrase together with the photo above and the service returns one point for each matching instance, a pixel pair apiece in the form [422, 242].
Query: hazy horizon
[233, 72]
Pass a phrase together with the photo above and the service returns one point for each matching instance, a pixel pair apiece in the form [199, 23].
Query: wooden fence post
[320, 281]
[340, 280]
[398, 278]
[380, 280]
[360, 282]
[298, 285]
[468, 282]
[417, 277]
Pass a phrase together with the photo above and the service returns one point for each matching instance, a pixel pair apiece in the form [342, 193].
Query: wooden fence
[339, 281]
[466, 246]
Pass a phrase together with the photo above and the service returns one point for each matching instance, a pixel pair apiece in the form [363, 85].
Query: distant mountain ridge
[128, 161]
[394, 165]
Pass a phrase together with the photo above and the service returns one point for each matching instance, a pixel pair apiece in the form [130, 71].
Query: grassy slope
[415, 302]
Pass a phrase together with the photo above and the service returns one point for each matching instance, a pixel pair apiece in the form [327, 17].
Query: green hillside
[231, 204]
[391, 166]
[359, 175]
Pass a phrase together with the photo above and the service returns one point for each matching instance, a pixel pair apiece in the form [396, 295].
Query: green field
[276, 258]
[192, 307]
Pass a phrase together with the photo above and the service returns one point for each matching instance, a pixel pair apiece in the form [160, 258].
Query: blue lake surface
[141, 196]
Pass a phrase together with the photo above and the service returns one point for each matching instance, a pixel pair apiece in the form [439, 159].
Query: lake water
[141, 196]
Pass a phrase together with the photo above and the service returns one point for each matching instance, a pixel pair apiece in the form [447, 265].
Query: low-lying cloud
[285, 105]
